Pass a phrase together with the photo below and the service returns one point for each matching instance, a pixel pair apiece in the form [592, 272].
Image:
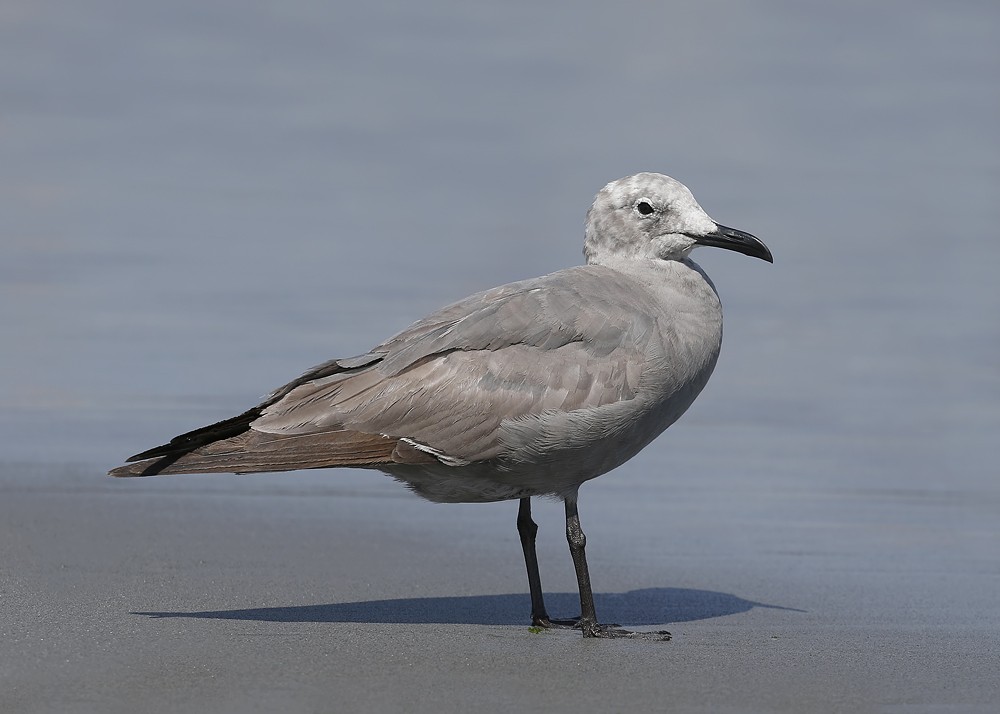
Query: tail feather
[255, 451]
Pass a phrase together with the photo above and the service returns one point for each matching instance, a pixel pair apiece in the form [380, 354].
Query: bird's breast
[681, 360]
[674, 360]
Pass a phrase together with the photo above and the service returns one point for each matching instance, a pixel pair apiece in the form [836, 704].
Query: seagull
[525, 390]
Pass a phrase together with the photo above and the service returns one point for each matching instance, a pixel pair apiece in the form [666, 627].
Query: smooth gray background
[200, 200]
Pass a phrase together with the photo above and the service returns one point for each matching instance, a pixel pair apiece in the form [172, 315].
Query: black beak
[732, 239]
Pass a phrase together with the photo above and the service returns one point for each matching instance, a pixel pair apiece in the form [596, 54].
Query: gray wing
[440, 390]
[571, 340]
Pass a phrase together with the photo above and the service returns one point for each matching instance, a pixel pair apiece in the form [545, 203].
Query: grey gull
[528, 389]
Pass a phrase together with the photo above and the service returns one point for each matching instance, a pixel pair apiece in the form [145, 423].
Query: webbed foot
[592, 629]
[552, 623]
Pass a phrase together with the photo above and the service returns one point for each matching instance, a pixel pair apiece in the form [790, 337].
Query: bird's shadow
[648, 606]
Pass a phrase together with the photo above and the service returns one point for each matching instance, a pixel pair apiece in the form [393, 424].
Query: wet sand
[342, 592]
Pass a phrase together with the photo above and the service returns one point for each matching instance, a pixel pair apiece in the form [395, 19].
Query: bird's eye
[644, 207]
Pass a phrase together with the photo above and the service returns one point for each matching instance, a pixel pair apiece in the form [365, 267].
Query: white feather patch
[439, 455]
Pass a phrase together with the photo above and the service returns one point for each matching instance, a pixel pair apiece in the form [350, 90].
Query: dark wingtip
[180, 445]
[154, 467]
[167, 454]
[164, 450]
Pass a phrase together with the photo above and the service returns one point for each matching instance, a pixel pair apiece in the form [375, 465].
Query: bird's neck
[663, 276]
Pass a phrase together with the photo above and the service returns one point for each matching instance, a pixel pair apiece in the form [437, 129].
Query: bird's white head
[650, 215]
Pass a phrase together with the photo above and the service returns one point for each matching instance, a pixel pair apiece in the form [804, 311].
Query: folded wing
[441, 389]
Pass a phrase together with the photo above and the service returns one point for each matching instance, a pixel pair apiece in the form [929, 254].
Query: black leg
[588, 615]
[527, 528]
